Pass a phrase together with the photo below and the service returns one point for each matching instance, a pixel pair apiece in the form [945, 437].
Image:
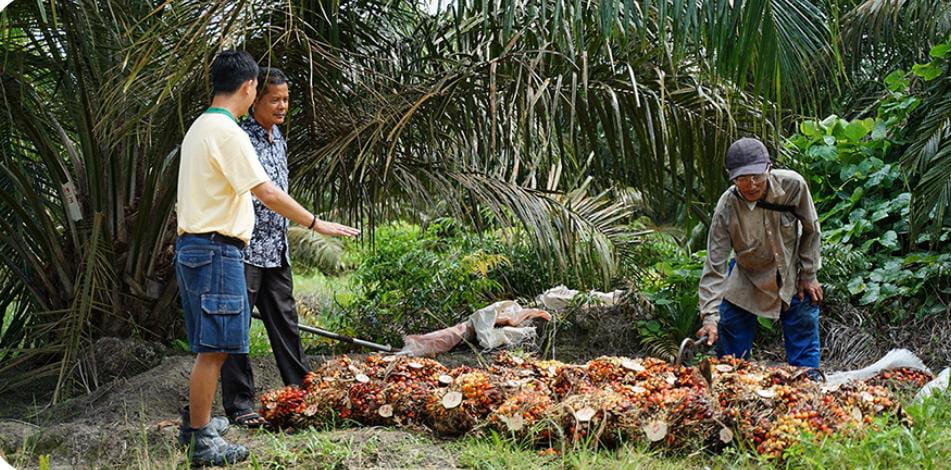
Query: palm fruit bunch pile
[904, 382]
[773, 407]
[606, 401]
[661, 403]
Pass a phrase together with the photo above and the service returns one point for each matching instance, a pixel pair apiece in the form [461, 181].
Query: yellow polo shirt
[217, 171]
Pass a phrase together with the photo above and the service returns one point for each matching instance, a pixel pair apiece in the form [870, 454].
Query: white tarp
[939, 383]
[559, 297]
[493, 326]
[507, 312]
[895, 359]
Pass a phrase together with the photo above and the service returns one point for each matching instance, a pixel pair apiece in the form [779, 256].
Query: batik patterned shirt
[268, 247]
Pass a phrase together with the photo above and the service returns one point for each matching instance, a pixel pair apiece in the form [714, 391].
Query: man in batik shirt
[267, 261]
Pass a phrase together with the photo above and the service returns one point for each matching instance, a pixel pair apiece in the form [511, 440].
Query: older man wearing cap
[767, 221]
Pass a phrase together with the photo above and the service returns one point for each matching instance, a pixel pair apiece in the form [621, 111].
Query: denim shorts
[211, 285]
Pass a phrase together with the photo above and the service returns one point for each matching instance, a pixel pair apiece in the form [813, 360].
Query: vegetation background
[490, 150]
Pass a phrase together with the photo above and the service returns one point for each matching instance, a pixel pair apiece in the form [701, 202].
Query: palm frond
[315, 252]
[892, 33]
[927, 160]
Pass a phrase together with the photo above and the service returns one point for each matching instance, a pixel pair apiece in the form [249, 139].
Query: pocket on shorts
[195, 269]
[223, 325]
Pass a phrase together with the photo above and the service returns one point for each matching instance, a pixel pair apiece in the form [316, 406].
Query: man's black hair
[270, 76]
[230, 69]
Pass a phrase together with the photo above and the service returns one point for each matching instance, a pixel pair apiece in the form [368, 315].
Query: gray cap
[747, 156]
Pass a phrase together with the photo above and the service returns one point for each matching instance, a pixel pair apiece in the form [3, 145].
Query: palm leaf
[928, 159]
[315, 252]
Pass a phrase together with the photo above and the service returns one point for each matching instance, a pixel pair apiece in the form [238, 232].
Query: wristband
[312, 223]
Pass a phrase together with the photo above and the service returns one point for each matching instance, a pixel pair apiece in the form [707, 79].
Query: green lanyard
[221, 111]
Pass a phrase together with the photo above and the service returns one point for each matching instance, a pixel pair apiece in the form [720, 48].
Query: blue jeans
[211, 284]
[800, 322]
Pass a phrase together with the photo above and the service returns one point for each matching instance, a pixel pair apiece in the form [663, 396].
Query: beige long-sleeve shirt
[773, 250]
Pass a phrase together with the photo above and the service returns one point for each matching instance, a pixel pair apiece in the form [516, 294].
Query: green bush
[662, 269]
[414, 279]
[861, 194]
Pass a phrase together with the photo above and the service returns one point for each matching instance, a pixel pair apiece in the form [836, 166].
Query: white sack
[895, 359]
[939, 383]
[558, 297]
[490, 337]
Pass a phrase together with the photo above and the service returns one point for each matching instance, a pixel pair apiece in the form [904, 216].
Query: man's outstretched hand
[811, 287]
[710, 331]
[332, 229]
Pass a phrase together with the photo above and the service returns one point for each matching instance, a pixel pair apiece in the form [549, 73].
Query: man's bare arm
[282, 203]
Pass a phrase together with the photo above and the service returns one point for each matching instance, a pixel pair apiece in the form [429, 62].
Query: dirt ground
[132, 415]
[135, 419]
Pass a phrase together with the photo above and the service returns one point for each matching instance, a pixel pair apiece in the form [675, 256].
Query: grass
[927, 444]
[333, 289]
[321, 295]
[310, 449]
[259, 346]
[496, 452]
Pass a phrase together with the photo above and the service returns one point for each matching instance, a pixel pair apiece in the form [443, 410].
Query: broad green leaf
[855, 130]
[856, 285]
[896, 81]
[879, 215]
[929, 71]
[871, 294]
[810, 129]
[880, 131]
[857, 195]
[889, 240]
[886, 291]
[940, 51]
[824, 152]
[829, 122]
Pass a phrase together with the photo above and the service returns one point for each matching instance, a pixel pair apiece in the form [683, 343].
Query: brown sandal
[248, 419]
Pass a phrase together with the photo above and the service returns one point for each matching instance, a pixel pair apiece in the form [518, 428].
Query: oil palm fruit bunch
[520, 415]
[279, 407]
[322, 403]
[904, 382]
[467, 401]
[365, 397]
[591, 417]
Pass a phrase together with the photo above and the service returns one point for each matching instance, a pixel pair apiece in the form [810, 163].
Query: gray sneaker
[207, 448]
[218, 423]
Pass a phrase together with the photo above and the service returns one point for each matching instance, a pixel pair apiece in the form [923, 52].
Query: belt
[217, 237]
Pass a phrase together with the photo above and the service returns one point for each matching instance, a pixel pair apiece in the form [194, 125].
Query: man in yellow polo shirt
[219, 172]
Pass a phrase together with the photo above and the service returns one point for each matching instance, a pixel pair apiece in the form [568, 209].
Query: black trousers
[271, 291]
